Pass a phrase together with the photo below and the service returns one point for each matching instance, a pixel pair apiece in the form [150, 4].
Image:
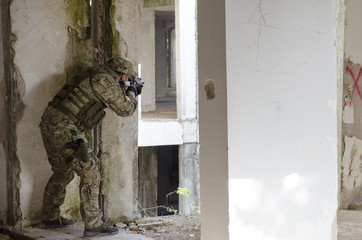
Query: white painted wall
[282, 122]
[186, 59]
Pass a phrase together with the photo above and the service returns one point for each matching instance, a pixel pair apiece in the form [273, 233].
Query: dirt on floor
[5, 237]
[172, 227]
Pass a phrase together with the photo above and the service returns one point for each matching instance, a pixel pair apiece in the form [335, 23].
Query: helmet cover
[121, 65]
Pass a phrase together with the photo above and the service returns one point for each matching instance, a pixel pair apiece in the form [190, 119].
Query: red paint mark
[355, 80]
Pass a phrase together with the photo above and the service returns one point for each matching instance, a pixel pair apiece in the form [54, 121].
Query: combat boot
[59, 222]
[102, 229]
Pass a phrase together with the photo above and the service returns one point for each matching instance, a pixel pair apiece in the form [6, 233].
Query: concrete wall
[163, 19]
[39, 59]
[119, 159]
[51, 45]
[351, 189]
[148, 60]
[213, 120]
[280, 142]
[3, 128]
[189, 178]
[281, 68]
[149, 45]
[353, 31]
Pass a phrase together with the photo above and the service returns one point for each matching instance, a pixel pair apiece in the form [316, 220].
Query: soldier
[77, 107]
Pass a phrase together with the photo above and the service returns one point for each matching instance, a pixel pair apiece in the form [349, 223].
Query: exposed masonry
[15, 110]
[351, 161]
[351, 174]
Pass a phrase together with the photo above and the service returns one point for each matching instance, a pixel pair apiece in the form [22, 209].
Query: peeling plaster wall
[3, 130]
[282, 120]
[351, 189]
[52, 45]
[119, 159]
[3, 186]
[41, 34]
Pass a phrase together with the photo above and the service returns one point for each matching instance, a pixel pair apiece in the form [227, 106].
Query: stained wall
[351, 189]
[120, 154]
[3, 129]
[52, 42]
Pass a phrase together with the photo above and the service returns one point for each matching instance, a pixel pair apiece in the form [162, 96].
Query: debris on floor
[172, 227]
[168, 227]
[5, 237]
[74, 232]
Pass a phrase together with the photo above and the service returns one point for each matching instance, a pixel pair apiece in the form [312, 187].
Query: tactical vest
[82, 106]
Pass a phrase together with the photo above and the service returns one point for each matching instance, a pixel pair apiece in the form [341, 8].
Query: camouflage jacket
[84, 99]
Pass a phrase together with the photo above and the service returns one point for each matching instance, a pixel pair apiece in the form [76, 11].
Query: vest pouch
[91, 115]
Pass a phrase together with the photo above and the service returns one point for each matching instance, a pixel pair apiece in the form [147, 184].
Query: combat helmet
[121, 65]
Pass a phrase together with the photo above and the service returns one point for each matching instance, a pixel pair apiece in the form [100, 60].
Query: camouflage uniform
[76, 108]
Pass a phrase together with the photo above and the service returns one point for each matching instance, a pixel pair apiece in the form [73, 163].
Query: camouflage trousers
[57, 131]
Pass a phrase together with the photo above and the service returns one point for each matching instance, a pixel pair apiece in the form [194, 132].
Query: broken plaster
[209, 88]
[348, 112]
[15, 108]
[351, 163]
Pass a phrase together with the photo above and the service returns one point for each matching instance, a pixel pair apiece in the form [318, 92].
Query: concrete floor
[72, 233]
[349, 225]
[349, 228]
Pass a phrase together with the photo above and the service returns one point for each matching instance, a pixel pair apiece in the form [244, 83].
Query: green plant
[184, 191]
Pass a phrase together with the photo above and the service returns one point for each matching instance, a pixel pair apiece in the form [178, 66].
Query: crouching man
[77, 107]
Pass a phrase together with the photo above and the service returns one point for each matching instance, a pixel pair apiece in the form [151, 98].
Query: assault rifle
[134, 82]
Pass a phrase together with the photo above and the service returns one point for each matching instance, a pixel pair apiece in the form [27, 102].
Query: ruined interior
[253, 106]
[65, 39]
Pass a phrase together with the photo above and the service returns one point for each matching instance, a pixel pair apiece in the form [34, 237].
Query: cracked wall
[351, 100]
[119, 159]
[3, 126]
[53, 42]
[351, 164]
[40, 54]
[281, 72]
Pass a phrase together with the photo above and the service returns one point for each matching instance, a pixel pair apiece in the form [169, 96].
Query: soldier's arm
[113, 95]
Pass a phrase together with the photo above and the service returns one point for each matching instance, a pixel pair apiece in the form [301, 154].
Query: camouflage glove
[80, 149]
